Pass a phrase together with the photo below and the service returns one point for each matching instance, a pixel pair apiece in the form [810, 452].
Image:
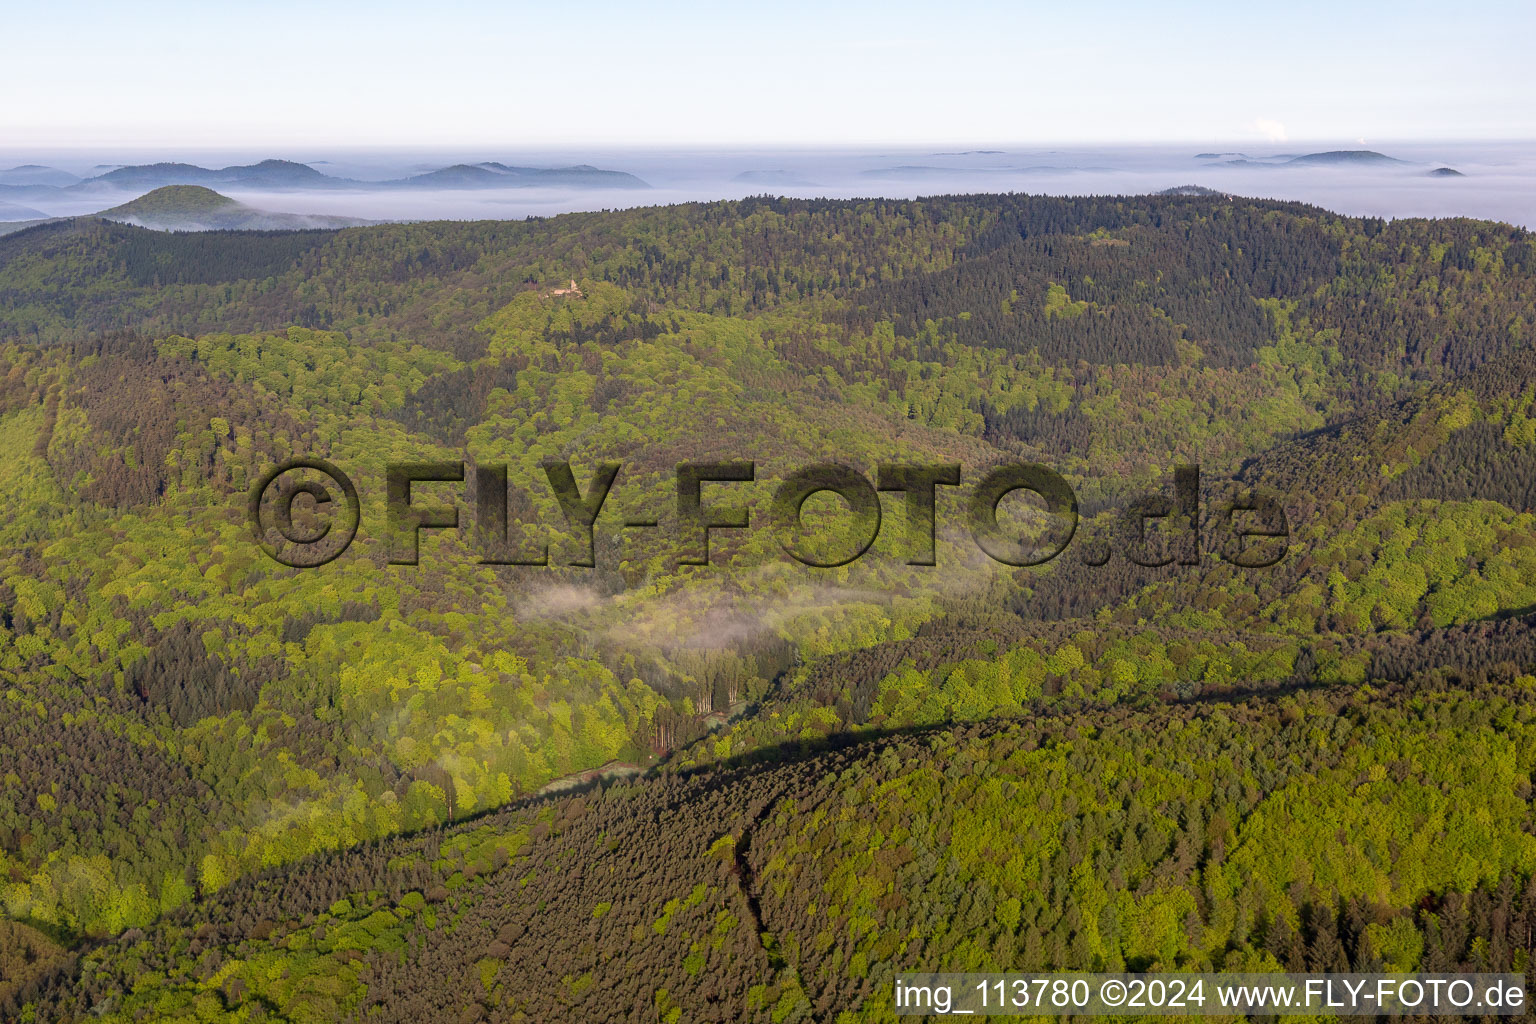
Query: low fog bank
[1497, 180]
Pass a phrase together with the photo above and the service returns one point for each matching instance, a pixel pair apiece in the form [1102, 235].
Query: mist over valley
[1486, 180]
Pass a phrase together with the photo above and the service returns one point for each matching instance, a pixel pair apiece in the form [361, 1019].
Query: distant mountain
[915, 172]
[155, 174]
[778, 177]
[904, 171]
[1446, 172]
[495, 175]
[266, 174]
[1337, 157]
[37, 174]
[196, 208]
[1331, 158]
[1190, 190]
[457, 176]
[23, 193]
[15, 211]
[286, 174]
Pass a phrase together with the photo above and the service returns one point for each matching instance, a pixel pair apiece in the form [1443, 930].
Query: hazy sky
[506, 74]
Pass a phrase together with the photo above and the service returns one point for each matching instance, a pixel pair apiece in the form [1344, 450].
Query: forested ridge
[238, 790]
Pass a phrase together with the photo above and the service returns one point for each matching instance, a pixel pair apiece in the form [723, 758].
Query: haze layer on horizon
[1490, 180]
[477, 74]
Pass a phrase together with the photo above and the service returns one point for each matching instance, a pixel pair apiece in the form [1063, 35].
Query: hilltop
[291, 175]
[36, 174]
[1191, 190]
[43, 192]
[1337, 157]
[175, 201]
[1330, 158]
[15, 211]
[195, 208]
[267, 173]
[495, 175]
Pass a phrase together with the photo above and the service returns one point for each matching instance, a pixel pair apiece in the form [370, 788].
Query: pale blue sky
[512, 74]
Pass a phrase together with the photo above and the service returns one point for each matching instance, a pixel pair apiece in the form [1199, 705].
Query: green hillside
[647, 789]
[177, 201]
[197, 208]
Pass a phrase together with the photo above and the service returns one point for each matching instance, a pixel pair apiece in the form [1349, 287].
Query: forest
[626, 786]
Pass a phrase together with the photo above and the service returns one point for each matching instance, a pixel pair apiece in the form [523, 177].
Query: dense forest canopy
[236, 790]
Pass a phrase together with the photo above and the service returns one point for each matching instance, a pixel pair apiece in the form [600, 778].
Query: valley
[241, 790]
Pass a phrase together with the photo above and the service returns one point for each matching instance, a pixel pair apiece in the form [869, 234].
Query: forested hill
[239, 790]
[1153, 267]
